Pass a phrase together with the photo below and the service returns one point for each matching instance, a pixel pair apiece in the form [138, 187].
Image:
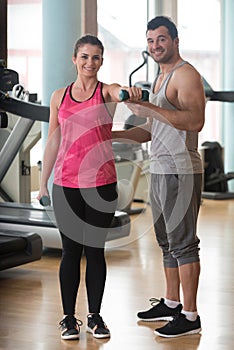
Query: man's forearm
[136, 134]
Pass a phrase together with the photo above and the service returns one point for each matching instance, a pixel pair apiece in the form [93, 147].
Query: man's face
[160, 45]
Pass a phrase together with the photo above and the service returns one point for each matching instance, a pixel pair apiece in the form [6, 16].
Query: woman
[79, 147]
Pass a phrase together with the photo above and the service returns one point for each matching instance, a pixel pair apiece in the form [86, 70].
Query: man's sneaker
[70, 328]
[97, 327]
[159, 312]
[179, 326]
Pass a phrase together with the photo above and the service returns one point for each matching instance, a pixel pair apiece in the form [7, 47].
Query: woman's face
[88, 59]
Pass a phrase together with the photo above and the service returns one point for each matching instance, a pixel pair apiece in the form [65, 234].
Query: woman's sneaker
[70, 328]
[159, 312]
[97, 327]
[179, 326]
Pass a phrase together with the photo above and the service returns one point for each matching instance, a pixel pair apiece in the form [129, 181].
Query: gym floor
[30, 307]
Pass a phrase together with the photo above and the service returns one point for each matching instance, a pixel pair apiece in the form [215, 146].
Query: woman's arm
[52, 144]
[137, 134]
[111, 92]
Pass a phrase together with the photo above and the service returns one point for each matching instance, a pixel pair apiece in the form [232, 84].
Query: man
[175, 113]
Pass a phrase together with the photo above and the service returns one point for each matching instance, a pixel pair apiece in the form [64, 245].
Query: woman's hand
[43, 192]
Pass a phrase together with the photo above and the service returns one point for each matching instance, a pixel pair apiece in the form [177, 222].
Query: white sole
[195, 331]
[169, 318]
[98, 336]
[70, 337]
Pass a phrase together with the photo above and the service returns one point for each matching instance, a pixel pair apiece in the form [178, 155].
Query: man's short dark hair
[163, 21]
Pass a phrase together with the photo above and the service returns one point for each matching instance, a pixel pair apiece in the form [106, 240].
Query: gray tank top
[172, 151]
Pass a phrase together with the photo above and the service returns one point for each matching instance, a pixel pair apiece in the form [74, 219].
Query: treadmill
[34, 218]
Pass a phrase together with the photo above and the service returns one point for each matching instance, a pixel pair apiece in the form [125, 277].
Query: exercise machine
[18, 248]
[131, 159]
[215, 179]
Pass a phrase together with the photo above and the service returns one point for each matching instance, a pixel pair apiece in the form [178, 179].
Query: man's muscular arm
[186, 93]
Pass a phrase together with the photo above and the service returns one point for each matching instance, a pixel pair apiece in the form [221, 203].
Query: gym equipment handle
[124, 95]
[45, 201]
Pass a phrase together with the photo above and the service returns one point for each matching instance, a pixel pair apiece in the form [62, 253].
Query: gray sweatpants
[175, 202]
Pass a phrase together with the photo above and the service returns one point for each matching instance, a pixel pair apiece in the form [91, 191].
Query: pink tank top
[85, 157]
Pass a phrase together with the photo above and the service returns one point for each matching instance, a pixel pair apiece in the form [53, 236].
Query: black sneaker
[179, 326]
[70, 328]
[97, 327]
[159, 312]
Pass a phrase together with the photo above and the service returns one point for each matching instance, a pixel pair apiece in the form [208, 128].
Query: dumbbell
[124, 95]
[45, 201]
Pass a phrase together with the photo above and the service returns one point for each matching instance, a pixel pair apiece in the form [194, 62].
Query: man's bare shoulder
[186, 74]
[188, 68]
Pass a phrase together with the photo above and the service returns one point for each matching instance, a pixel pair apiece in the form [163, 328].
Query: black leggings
[83, 228]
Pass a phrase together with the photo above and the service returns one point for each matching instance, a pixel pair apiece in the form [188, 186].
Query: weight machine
[215, 179]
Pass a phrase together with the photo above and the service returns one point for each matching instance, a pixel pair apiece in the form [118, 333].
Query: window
[123, 36]
[121, 28]
[199, 33]
[25, 42]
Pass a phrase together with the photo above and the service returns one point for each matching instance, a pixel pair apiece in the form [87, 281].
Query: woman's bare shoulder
[57, 96]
